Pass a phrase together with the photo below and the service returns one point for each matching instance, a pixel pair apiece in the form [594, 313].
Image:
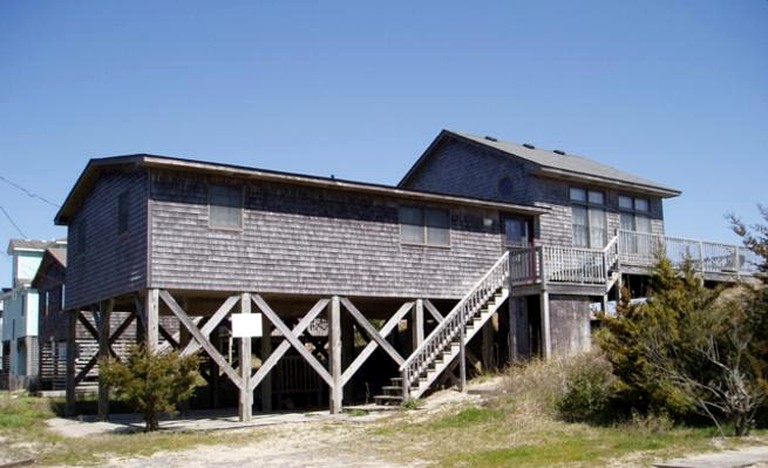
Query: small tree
[672, 299]
[153, 382]
[713, 365]
[691, 347]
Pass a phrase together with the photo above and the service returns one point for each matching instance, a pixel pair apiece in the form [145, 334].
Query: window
[424, 226]
[122, 213]
[588, 218]
[635, 218]
[226, 206]
[635, 214]
[80, 237]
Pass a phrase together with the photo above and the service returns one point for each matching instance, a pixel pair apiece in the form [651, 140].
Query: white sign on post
[246, 325]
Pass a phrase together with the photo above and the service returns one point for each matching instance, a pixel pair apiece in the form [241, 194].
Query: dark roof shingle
[569, 163]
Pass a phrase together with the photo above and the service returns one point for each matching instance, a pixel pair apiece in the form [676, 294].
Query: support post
[266, 350]
[417, 324]
[246, 395]
[462, 360]
[619, 288]
[104, 331]
[71, 369]
[487, 344]
[335, 355]
[152, 319]
[512, 306]
[545, 328]
[347, 353]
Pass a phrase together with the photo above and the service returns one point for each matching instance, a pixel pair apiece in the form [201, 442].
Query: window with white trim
[225, 206]
[588, 218]
[426, 226]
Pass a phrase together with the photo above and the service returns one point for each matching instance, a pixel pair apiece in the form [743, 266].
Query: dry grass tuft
[532, 389]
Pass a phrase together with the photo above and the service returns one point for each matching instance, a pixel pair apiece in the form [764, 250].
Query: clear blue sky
[676, 91]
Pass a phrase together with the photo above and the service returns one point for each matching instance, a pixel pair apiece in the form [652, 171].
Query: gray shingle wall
[463, 169]
[298, 239]
[111, 264]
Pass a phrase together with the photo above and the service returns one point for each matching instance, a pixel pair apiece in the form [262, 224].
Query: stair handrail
[611, 253]
[446, 330]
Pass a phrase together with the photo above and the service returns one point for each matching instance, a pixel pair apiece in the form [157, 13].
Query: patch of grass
[411, 404]
[468, 417]
[595, 448]
[356, 412]
[22, 411]
[92, 450]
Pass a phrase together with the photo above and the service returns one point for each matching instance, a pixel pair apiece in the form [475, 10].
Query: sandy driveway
[294, 445]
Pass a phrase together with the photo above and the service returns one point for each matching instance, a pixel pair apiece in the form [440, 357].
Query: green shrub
[589, 388]
[153, 382]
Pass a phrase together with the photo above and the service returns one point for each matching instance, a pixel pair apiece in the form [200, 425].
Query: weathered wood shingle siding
[462, 168]
[307, 240]
[110, 264]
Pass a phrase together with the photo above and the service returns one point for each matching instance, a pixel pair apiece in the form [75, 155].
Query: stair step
[392, 390]
[385, 400]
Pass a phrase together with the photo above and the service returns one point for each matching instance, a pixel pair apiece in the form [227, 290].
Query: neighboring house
[403, 278]
[3, 364]
[20, 321]
[54, 328]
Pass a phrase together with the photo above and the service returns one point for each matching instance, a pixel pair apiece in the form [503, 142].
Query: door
[516, 231]
[517, 238]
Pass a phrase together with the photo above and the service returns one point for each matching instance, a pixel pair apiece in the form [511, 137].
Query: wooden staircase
[443, 345]
[393, 393]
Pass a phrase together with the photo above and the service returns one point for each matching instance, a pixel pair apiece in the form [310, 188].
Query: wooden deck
[589, 271]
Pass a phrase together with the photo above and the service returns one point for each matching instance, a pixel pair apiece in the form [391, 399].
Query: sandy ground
[316, 439]
[316, 444]
[288, 440]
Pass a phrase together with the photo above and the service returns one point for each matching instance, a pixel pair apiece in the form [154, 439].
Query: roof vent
[560, 152]
[490, 138]
[529, 146]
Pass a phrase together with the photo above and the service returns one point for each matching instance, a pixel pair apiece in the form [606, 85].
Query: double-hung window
[635, 214]
[226, 206]
[635, 217]
[427, 226]
[588, 218]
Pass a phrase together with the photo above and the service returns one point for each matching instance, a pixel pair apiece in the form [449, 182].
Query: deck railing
[453, 324]
[642, 249]
[552, 263]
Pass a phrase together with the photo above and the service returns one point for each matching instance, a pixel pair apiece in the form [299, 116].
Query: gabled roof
[95, 167]
[554, 164]
[60, 255]
[16, 245]
[51, 257]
